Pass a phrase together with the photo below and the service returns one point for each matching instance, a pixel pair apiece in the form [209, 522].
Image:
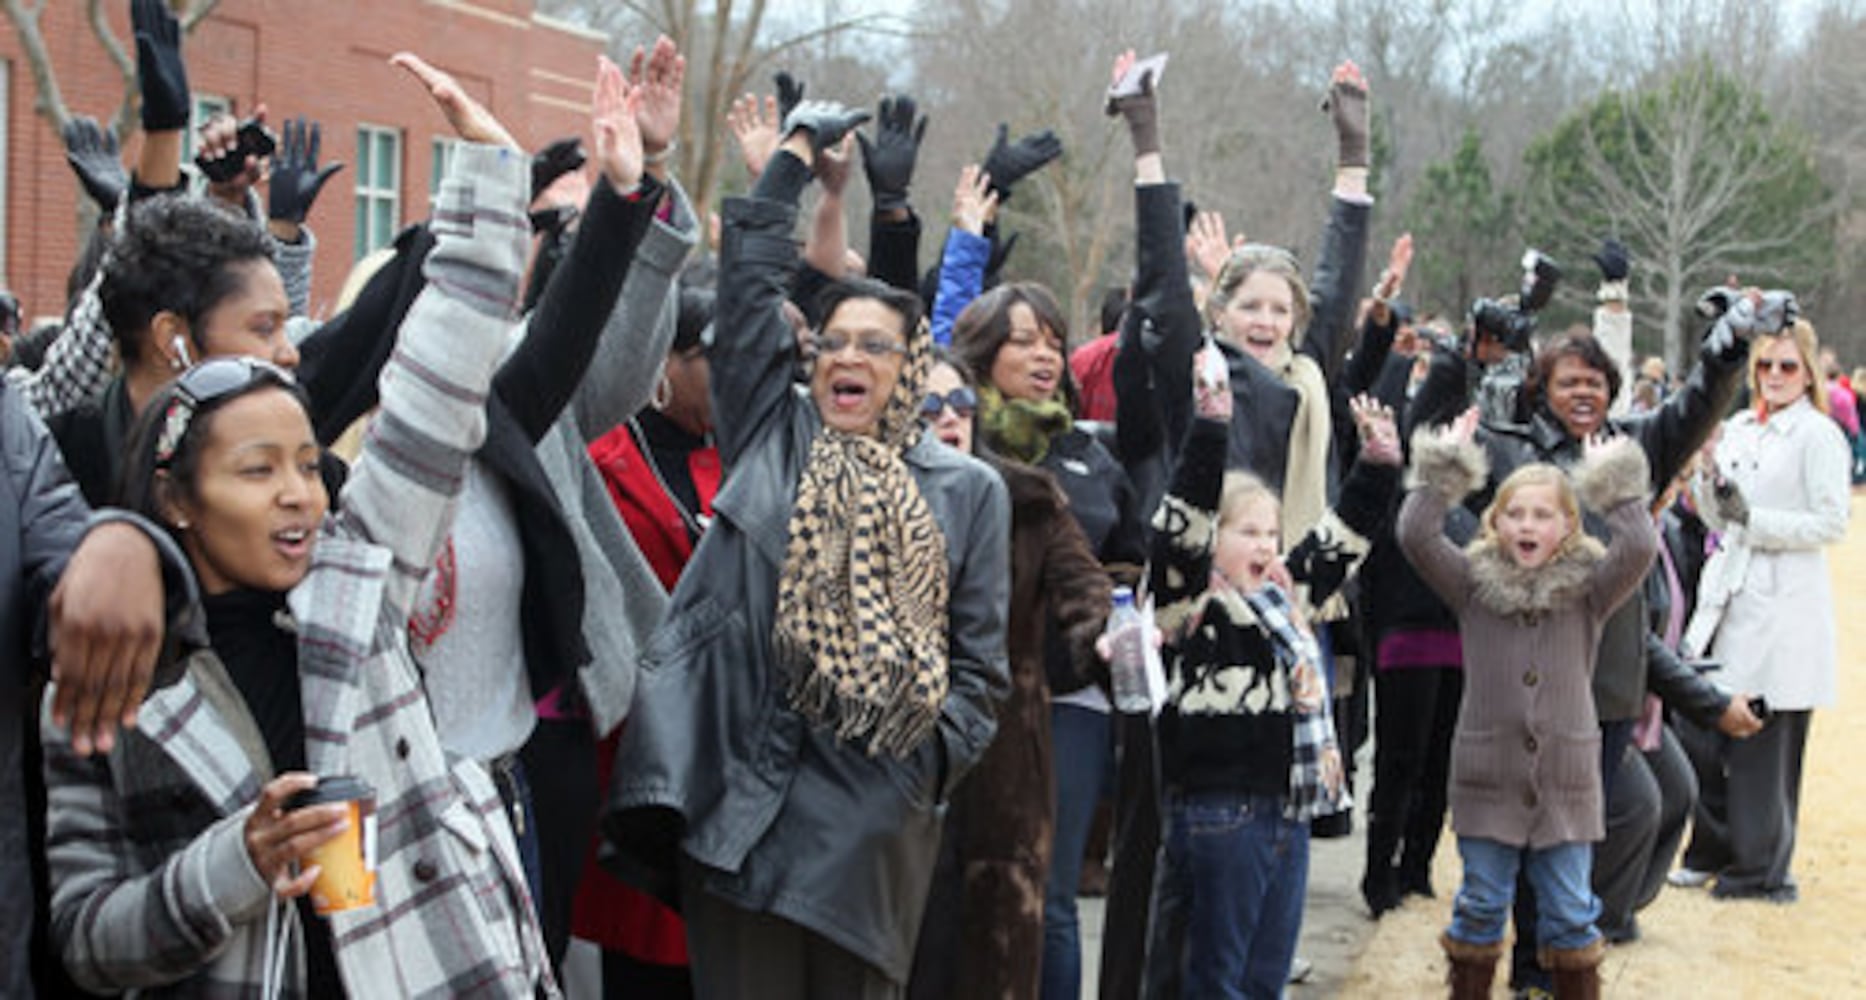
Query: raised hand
[1010, 162]
[1614, 261]
[889, 159]
[1380, 444]
[974, 203]
[92, 152]
[789, 93]
[615, 126]
[660, 75]
[1140, 111]
[1392, 280]
[159, 67]
[827, 122]
[833, 164]
[1206, 245]
[296, 176]
[1346, 106]
[470, 119]
[754, 124]
[1461, 430]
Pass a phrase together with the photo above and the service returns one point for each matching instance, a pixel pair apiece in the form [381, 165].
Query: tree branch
[50, 103]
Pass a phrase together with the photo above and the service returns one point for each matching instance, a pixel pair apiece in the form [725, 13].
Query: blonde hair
[1240, 490]
[1248, 260]
[1534, 474]
[1807, 345]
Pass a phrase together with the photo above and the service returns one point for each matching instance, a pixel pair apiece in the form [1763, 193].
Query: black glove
[826, 121]
[163, 75]
[92, 152]
[789, 93]
[1000, 252]
[1010, 162]
[1731, 505]
[554, 161]
[1142, 114]
[1346, 105]
[296, 177]
[1613, 260]
[889, 159]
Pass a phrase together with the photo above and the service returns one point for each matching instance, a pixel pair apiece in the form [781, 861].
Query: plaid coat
[152, 888]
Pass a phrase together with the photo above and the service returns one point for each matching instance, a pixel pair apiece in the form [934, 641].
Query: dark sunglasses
[1787, 366]
[963, 401]
[206, 384]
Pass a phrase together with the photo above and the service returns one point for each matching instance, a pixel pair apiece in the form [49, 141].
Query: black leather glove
[1010, 162]
[1346, 105]
[826, 121]
[159, 68]
[296, 177]
[889, 159]
[1732, 506]
[554, 161]
[1142, 114]
[1613, 260]
[92, 152]
[789, 93]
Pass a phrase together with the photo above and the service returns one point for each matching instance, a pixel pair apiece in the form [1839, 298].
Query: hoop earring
[663, 392]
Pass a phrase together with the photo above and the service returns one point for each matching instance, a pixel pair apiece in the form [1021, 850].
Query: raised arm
[1446, 466]
[963, 262]
[434, 387]
[1338, 270]
[889, 160]
[1612, 479]
[1324, 558]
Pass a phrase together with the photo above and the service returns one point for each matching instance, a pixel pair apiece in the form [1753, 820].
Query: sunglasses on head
[1787, 366]
[963, 401]
[206, 384]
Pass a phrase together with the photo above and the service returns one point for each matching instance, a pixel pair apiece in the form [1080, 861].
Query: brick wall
[324, 59]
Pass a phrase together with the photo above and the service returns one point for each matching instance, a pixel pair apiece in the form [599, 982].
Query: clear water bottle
[1127, 665]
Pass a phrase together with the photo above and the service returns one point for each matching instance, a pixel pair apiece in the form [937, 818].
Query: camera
[1513, 323]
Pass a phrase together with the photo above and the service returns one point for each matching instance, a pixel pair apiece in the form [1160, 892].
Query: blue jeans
[1566, 907]
[1230, 885]
[1083, 748]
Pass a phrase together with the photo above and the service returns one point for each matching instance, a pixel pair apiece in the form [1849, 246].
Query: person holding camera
[1777, 488]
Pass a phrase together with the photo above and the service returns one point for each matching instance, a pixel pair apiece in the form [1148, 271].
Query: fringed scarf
[1305, 470]
[862, 598]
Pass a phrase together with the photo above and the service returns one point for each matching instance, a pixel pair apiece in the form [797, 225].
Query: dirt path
[1693, 947]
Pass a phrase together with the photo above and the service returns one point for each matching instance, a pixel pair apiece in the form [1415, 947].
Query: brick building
[324, 59]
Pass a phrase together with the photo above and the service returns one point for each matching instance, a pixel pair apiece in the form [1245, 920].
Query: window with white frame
[378, 187]
[441, 161]
[201, 110]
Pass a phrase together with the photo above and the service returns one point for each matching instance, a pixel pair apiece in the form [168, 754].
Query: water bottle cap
[1123, 596]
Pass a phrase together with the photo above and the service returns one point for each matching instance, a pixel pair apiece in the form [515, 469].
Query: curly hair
[1578, 344]
[174, 254]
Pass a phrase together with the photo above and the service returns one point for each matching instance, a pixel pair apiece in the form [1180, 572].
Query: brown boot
[1576, 970]
[1473, 966]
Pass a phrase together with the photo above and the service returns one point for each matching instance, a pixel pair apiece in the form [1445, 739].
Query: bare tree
[49, 101]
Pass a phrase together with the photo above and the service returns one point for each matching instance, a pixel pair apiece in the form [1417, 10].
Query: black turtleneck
[671, 447]
[251, 636]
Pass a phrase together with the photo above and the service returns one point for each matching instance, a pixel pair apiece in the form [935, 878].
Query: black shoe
[1332, 826]
[1416, 884]
[1626, 933]
[1380, 888]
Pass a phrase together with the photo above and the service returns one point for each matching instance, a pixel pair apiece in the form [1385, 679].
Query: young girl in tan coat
[1531, 594]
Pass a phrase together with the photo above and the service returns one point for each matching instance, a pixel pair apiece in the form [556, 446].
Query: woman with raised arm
[830, 662]
[177, 864]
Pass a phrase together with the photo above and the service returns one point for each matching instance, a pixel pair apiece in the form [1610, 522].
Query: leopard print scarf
[862, 597]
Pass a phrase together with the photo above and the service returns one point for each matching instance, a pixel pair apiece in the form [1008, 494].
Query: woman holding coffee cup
[179, 862]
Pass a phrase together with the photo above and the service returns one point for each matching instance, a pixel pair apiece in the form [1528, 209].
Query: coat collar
[1508, 589]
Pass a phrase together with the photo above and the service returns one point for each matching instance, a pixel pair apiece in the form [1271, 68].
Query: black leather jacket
[714, 762]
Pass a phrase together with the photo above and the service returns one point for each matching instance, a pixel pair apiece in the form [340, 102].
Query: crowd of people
[726, 615]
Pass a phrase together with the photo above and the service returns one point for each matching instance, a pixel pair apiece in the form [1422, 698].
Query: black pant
[1415, 715]
[560, 765]
[1749, 803]
[1136, 847]
[738, 953]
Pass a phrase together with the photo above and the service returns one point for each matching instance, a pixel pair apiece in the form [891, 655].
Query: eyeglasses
[963, 400]
[873, 345]
[1787, 366]
[206, 384]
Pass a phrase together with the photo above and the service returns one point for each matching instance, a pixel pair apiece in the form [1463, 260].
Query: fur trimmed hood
[1451, 470]
[1615, 474]
[1508, 589]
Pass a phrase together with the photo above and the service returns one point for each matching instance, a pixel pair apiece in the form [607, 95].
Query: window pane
[385, 223]
[362, 156]
[362, 226]
[385, 160]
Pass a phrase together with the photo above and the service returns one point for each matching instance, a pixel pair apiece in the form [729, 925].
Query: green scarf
[1021, 429]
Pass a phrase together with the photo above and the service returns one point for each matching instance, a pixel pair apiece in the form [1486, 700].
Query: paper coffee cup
[347, 862]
